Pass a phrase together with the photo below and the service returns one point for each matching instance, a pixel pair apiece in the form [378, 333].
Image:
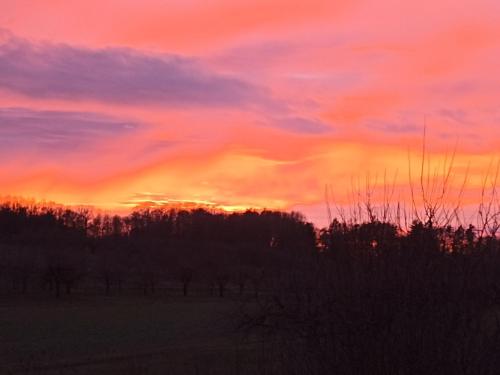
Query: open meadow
[119, 335]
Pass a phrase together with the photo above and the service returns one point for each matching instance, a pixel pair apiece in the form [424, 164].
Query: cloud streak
[56, 132]
[117, 75]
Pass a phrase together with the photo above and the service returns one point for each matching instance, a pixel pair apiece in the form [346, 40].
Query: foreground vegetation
[364, 297]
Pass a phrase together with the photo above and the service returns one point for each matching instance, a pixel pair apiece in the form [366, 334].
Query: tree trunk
[24, 286]
[108, 286]
[58, 288]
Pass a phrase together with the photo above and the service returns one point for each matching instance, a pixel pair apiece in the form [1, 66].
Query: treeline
[58, 250]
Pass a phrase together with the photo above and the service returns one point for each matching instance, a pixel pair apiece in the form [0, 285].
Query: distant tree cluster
[60, 249]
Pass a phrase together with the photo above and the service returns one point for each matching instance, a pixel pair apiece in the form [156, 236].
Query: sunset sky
[241, 103]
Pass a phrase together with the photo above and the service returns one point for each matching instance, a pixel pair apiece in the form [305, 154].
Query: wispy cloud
[117, 75]
[303, 125]
[52, 132]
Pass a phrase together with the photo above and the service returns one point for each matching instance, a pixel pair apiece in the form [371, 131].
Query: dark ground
[122, 335]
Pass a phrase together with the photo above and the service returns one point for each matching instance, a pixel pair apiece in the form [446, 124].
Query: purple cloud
[456, 115]
[303, 125]
[131, 77]
[117, 75]
[55, 131]
[394, 127]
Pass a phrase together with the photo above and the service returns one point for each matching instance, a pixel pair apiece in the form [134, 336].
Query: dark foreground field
[122, 335]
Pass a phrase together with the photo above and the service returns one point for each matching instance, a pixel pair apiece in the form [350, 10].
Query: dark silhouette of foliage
[353, 298]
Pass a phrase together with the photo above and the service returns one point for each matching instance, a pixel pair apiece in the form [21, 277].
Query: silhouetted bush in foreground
[378, 302]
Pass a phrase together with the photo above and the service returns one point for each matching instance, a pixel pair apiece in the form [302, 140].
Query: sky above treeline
[241, 104]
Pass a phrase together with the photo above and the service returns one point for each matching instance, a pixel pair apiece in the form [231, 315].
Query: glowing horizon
[242, 104]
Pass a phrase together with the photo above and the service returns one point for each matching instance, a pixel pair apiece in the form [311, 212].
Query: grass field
[133, 334]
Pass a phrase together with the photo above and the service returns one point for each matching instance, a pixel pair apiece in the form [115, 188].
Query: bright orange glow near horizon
[243, 104]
